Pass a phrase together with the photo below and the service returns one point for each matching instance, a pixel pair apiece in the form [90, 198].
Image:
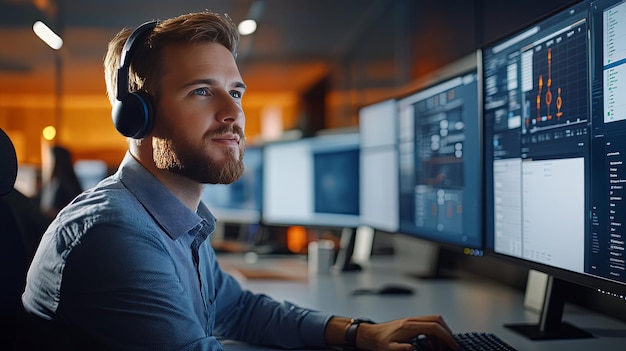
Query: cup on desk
[321, 256]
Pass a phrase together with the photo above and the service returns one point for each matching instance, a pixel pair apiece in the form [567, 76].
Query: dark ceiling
[295, 46]
[294, 40]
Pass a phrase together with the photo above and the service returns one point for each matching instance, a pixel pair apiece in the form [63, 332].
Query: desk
[466, 304]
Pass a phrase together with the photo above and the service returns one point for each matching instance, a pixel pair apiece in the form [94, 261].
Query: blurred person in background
[59, 184]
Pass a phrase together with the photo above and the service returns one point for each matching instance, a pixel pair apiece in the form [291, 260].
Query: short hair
[146, 63]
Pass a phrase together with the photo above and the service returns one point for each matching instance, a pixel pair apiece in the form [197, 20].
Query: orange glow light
[49, 133]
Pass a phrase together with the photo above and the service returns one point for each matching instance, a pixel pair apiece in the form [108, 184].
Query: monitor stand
[269, 240]
[344, 261]
[550, 324]
[436, 270]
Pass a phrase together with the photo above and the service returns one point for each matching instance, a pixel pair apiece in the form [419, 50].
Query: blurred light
[247, 27]
[49, 133]
[47, 35]
[296, 239]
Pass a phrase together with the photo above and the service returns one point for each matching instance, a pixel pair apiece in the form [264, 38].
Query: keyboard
[472, 341]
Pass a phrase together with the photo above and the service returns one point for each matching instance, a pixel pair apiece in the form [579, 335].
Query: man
[128, 265]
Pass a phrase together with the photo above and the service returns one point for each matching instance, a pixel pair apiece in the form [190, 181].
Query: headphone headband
[139, 35]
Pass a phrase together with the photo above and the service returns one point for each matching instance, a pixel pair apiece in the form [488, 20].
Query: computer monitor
[90, 172]
[312, 182]
[439, 163]
[379, 166]
[552, 158]
[240, 202]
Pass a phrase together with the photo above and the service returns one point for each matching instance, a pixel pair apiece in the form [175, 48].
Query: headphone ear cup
[132, 116]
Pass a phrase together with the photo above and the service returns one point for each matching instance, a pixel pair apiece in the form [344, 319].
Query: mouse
[392, 289]
[421, 343]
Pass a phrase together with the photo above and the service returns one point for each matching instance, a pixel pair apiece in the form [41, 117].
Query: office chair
[13, 257]
[21, 221]
[22, 225]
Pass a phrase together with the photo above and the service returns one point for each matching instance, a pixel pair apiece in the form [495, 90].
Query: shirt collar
[166, 209]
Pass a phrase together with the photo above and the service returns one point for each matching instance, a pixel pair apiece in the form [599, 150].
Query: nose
[229, 110]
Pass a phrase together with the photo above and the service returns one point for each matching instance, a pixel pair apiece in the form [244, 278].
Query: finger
[400, 346]
[433, 318]
[437, 334]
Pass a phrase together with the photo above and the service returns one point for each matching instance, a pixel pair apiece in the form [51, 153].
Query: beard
[196, 162]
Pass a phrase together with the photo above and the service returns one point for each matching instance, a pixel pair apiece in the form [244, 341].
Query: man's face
[199, 123]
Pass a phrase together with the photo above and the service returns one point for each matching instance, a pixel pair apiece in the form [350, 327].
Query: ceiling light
[47, 35]
[247, 27]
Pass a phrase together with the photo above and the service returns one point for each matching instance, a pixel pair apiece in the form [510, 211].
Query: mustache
[226, 130]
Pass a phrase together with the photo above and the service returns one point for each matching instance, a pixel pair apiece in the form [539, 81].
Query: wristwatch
[350, 336]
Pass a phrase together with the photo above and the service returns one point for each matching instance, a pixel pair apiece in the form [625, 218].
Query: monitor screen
[440, 162]
[241, 201]
[379, 166]
[90, 172]
[605, 244]
[312, 181]
[552, 161]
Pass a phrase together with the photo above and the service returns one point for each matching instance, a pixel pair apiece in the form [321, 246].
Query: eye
[236, 94]
[201, 92]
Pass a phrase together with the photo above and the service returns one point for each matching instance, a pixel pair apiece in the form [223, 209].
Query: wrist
[352, 332]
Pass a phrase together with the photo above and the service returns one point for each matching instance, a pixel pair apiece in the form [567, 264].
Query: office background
[309, 66]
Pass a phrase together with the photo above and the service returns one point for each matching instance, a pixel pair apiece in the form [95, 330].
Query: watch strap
[350, 336]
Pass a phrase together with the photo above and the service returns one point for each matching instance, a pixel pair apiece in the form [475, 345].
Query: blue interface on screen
[439, 162]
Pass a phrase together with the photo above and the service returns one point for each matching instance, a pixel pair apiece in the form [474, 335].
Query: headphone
[132, 112]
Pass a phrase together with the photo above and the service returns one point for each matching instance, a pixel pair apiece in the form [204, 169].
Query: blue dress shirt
[129, 265]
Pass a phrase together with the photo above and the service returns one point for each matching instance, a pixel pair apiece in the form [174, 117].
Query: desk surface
[466, 304]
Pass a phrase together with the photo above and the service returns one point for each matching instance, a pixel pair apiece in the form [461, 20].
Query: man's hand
[396, 335]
